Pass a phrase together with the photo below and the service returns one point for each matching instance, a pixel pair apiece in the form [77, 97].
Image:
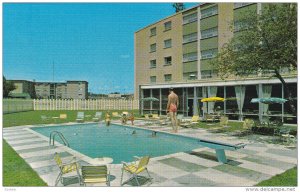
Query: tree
[265, 44]
[178, 7]
[7, 87]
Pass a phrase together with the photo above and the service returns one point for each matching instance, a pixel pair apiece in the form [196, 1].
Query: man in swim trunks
[172, 108]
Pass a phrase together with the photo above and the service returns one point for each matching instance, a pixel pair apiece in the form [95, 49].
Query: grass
[288, 178]
[34, 117]
[16, 172]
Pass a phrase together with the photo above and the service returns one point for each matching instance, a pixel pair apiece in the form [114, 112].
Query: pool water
[119, 142]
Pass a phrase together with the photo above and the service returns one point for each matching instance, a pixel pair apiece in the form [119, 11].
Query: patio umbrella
[212, 99]
[269, 100]
[150, 99]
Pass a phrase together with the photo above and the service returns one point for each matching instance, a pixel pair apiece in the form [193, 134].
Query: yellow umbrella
[213, 99]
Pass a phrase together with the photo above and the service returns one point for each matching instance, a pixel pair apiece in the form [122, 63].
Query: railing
[52, 138]
[86, 104]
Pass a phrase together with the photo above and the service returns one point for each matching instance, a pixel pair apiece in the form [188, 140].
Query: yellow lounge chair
[135, 168]
[223, 124]
[115, 114]
[63, 116]
[188, 123]
[95, 174]
[66, 168]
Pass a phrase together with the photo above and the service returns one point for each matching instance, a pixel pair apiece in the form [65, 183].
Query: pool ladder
[52, 138]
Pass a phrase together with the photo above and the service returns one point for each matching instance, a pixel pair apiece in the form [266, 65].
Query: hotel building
[176, 52]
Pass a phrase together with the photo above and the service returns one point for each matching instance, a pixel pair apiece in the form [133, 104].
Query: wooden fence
[17, 105]
[88, 104]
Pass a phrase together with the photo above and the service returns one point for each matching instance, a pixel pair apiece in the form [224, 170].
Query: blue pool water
[118, 142]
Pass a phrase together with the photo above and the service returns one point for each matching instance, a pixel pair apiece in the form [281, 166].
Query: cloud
[124, 56]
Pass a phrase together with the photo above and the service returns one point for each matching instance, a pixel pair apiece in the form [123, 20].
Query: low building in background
[50, 90]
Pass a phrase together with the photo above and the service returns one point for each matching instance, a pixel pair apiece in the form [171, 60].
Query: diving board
[220, 148]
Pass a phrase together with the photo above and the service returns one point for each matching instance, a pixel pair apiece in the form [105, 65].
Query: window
[212, 32]
[153, 79]
[206, 74]
[153, 31]
[190, 18]
[190, 57]
[153, 63]
[168, 43]
[240, 25]
[168, 77]
[208, 54]
[190, 38]
[238, 5]
[168, 60]
[209, 12]
[168, 25]
[153, 47]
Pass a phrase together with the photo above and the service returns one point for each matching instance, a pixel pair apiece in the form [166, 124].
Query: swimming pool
[119, 142]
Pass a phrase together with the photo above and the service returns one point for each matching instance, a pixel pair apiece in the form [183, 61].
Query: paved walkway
[258, 161]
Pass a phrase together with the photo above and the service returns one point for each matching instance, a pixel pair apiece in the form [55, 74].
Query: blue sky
[91, 41]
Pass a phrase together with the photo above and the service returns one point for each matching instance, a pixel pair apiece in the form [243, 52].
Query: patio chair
[163, 120]
[191, 122]
[66, 168]
[95, 174]
[45, 118]
[284, 135]
[136, 168]
[179, 119]
[115, 114]
[208, 118]
[80, 117]
[97, 117]
[125, 112]
[246, 128]
[223, 125]
[63, 116]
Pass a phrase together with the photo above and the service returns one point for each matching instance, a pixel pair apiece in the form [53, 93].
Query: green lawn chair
[95, 174]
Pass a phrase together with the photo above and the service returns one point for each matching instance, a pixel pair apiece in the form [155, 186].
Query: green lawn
[16, 172]
[288, 178]
[34, 117]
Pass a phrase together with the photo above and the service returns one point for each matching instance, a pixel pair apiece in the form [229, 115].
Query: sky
[76, 41]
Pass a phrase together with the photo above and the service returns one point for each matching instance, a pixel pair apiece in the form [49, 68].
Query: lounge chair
[223, 125]
[246, 128]
[163, 120]
[97, 117]
[95, 174]
[63, 116]
[45, 118]
[66, 168]
[179, 119]
[155, 116]
[80, 117]
[125, 113]
[115, 114]
[136, 168]
[190, 123]
[208, 118]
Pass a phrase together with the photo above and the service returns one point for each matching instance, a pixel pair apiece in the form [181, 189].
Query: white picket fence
[88, 104]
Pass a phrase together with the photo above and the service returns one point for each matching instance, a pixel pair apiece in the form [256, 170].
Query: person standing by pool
[131, 118]
[172, 108]
[107, 119]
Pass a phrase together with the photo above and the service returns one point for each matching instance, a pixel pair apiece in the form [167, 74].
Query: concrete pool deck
[258, 161]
